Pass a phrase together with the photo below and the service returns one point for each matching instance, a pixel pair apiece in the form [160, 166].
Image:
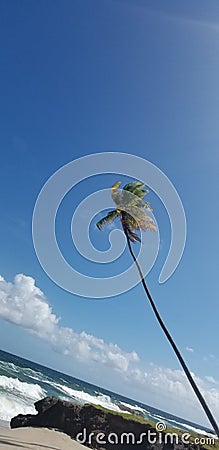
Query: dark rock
[85, 423]
[47, 402]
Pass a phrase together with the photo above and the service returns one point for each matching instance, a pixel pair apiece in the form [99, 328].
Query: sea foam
[17, 397]
[84, 397]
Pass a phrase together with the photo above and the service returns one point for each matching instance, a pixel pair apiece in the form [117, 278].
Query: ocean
[23, 382]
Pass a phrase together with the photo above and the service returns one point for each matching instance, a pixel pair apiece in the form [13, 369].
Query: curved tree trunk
[172, 343]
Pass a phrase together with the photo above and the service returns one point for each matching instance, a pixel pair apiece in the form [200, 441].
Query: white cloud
[170, 390]
[24, 304]
[211, 379]
[190, 349]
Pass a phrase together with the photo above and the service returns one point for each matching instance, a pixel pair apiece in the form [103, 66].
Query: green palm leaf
[109, 218]
[135, 188]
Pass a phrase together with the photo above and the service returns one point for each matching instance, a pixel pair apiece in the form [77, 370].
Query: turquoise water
[23, 382]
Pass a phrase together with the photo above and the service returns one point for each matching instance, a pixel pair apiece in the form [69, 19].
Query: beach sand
[36, 439]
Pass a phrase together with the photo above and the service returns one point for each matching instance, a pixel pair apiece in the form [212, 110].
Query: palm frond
[110, 217]
[139, 214]
[130, 226]
[135, 188]
[128, 198]
[116, 193]
[134, 219]
[115, 185]
[131, 186]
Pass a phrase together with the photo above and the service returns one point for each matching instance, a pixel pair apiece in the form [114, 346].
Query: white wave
[17, 397]
[34, 374]
[12, 406]
[39, 377]
[12, 368]
[84, 397]
[15, 386]
[192, 428]
[184, 426]
[135, 407]
[8, 366]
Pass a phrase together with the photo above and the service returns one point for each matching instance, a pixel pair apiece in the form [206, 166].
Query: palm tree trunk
[172, 343]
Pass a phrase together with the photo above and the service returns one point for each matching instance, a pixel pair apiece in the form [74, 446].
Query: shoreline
[31, 438]
[4, 424]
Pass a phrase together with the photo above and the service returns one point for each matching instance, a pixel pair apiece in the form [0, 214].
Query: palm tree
[130, 208]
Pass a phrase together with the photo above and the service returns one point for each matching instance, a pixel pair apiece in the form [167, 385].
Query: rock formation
[97, 428]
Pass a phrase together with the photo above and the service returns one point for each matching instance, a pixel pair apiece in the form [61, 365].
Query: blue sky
[136, 77]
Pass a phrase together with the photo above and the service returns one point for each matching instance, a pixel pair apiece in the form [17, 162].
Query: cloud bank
[24, 304]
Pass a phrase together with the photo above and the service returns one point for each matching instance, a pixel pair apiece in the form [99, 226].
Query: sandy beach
[36, 439]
